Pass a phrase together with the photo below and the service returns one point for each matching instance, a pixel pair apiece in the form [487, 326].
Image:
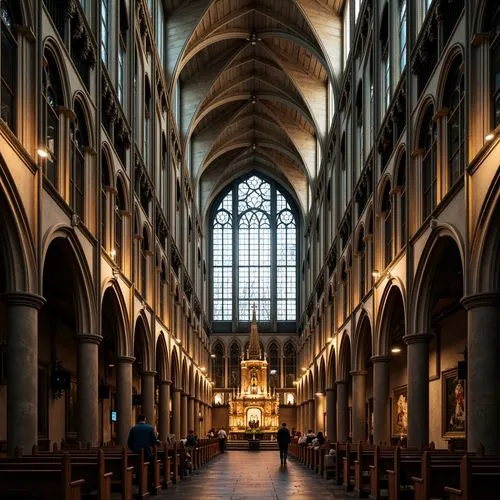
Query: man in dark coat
[284, 438]
[142, 436]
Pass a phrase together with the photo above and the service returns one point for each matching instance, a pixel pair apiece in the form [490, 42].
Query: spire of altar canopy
[254, 344]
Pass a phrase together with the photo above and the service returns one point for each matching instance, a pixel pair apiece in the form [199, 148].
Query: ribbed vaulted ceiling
[253, 81]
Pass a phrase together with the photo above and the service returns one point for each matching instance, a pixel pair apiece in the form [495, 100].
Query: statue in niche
[253, 381]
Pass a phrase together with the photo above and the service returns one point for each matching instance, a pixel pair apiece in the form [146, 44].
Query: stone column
[483, 323]
[319, 413]
[331, 414]
[358, 405]
[164, 409]
[148, 395]
[312, 410]
[22, 369]
[123, 398]
[197, 423]
[299, 418]
[342, 410]
[88, 388]
[418, 388]
[184, 415]
[305, 416]
[381, 431]
[176, 403]
[191, 415]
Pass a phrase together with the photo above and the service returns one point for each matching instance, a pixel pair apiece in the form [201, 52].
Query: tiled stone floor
[240, 475]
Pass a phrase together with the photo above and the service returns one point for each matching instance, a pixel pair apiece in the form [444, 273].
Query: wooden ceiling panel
[255, 72]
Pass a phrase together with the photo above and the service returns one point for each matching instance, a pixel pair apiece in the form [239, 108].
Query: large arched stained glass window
[254, 253]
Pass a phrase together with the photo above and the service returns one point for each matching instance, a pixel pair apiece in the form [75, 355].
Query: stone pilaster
[124, 398]
[184, 415]
[164, 409]
[148, 395]
[418, 389]
[358, 405]
[342, 410]
[381, 431]
[176, 422]
[88, 388]
[22, 369]
[483, 327]
[191, 415]
[331, 414]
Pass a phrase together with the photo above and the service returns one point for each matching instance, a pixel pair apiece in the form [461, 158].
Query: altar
[253, 407]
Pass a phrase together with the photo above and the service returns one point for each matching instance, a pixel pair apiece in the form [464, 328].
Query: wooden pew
[90, 469]
[406, 463]
[53, 483]
[479, 478]
[348, 467]
[364, 458]
[438, 470]
[116, 460]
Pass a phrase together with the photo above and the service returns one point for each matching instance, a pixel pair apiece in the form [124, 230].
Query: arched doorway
[112, 356]
[362, 383]
[142, 375]
[66, 349]
[390, 371]
[344, 390]
[435, 352]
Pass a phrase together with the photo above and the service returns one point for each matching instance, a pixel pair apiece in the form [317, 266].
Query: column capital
[360, 373]
[191, 398]
[125, 359]
[330, 389]
[88, 338]
[176, 390]
[23, 299]
[341, 382]
[148, 373]
[380, 359]
[481, 300]
[165, 382]
[417, 338]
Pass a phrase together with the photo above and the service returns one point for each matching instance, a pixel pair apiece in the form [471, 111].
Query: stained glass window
[218, 364]
[289, 365]
[254, 239]
[234, 364]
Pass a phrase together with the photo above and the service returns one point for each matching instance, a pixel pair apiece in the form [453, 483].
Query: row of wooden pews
[79, 473]
[395, 473]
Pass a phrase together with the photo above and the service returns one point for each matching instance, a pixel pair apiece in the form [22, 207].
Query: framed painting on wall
[453, 404]
[399, 412]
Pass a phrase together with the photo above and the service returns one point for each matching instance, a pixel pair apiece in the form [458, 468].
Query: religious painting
[453, 404]
[399, 412]
[72, 410]
[254, 418]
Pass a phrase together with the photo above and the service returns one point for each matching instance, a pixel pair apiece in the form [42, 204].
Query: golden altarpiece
[254, 406]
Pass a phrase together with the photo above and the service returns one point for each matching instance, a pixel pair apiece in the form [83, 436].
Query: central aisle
[245, 474]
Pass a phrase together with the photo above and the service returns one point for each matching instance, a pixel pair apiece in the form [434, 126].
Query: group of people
[313, 440]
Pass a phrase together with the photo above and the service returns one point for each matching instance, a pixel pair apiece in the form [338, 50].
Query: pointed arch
[344, 365]
[162, 362]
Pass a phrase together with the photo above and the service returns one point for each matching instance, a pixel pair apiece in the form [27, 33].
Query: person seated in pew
[310, 436]
[142, 436]
[318, 441]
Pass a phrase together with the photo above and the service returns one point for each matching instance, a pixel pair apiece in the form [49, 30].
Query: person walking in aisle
[284, 438]
[222, 435]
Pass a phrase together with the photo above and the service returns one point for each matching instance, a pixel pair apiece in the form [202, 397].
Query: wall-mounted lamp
[213, 356]
[396, 350]
[376, 273]
[178, 340]
[42, 152]
[489, 137]
[112, 253]
[273, 372]
[320, 394]
[203, 369]
[330, 340]
[304, 368]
